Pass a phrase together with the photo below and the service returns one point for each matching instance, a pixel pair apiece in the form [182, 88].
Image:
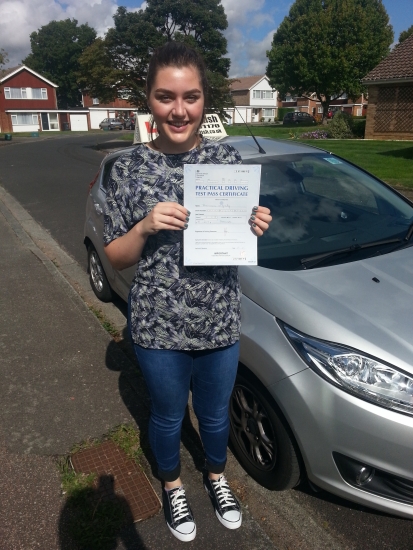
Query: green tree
[405, 34]
[130, 43]
[3, 58]
[327, 47]
[56, 48]
[122, 58]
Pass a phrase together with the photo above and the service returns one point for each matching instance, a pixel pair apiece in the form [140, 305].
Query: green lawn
[391, 161]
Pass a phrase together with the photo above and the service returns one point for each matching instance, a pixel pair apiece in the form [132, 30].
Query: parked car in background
[296, 118]
[325, 380]
[129, 123]
[111, 124]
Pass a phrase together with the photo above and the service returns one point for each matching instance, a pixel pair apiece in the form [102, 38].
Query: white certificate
[220, 198]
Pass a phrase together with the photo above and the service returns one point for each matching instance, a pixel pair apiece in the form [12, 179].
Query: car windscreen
[322, 204]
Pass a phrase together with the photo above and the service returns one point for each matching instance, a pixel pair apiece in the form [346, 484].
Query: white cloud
[19, 18]
[249, 57]
[245, 20]
[238, 11]
[258, 60]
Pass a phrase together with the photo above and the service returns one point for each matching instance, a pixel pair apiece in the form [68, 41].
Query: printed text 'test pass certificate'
[220, 199]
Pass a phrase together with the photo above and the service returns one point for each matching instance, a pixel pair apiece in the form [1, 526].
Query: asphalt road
[50, 179]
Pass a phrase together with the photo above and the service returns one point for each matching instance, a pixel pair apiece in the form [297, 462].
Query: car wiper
[311, 261]
[409, 233]
[404, 242]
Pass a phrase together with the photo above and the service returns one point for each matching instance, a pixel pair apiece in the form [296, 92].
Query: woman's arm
[125, 251]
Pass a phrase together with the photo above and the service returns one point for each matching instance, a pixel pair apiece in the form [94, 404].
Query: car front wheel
[97, 276]
[260, 438]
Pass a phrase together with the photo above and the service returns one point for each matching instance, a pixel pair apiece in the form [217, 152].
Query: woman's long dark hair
[176, 54]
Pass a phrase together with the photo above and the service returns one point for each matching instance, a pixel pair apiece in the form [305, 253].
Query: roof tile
[245, 82]
[5, 72]
[398, 64]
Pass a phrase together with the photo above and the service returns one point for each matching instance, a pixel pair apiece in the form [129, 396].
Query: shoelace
[179, 504]
[223, 492]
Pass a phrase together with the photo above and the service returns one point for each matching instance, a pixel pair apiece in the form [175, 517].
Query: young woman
[184, 321]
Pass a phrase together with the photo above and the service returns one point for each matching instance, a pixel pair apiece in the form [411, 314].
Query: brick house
[254, 98]
[120, 107]
[312, 105]
[28, 103]
[390, 88]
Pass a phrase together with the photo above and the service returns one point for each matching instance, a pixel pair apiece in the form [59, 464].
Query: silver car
[111, 124]
[325, 382]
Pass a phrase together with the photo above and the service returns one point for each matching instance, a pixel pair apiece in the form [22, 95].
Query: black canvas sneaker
[178, 514]
[227, 507]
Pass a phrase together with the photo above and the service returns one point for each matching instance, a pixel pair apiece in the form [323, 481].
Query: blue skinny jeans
[168, 375]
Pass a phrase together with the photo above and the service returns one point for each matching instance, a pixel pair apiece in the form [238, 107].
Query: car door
[120, 281]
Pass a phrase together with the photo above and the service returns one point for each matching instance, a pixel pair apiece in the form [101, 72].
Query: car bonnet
[366, 304]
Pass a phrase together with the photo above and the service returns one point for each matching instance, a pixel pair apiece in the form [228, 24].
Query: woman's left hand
[260, 219]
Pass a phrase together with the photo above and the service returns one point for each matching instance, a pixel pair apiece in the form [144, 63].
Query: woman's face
[177, 104]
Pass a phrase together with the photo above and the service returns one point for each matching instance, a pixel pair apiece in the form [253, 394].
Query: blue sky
[251, 24]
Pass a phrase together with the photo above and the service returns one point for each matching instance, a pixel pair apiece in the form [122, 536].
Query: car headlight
[355, 372]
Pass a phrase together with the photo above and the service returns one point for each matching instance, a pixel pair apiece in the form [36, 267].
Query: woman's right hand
[165, 215]
[126, 250]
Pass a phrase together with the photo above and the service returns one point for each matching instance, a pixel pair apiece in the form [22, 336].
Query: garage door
[96, 117]
[78, 123]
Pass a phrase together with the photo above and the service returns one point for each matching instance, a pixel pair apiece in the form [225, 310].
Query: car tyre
[97, 276]
[260, 437]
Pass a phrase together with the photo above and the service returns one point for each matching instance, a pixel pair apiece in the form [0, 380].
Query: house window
[268, 113]
[320, 110]
[262, 94]
[95, 101]
[15, 93]
[24, 119]
[39, 93]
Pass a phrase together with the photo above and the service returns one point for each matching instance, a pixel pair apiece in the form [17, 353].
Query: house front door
[45, 121]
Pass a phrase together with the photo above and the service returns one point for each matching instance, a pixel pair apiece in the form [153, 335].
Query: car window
[106, 173]
[343, 186]
[319, 204]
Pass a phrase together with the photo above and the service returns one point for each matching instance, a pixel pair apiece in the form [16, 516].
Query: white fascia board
[34, 110]
[30, 71]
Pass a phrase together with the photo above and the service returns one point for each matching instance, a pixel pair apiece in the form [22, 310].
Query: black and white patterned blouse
[172, 306]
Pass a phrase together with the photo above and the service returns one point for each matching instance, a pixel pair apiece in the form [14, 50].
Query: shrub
[359, 127]
[340, 126]
[282, 111]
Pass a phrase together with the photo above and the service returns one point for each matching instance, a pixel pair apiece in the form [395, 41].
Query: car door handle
[98, 208]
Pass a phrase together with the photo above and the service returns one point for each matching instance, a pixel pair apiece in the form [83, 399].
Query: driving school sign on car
[145, 131]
